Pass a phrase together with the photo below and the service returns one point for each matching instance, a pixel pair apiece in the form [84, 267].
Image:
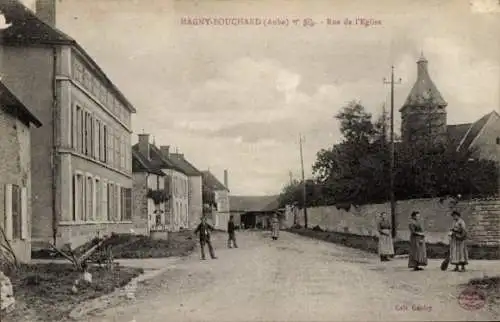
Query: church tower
[424, 113]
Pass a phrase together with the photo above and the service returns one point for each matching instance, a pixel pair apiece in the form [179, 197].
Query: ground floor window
[97, 199]
[16, 215]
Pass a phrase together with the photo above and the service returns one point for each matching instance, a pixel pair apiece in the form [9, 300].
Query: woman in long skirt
[385, 245]
[418, 251]
[458, 248]
[275, 225]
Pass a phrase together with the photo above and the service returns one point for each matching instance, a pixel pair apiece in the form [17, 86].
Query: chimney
[144, 145]
[422, 72]
[226, 183]
[46, 11]
[165, 150]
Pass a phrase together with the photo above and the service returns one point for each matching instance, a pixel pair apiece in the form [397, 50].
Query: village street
[296, 279]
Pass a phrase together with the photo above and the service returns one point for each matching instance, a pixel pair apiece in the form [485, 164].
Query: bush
[317, 228]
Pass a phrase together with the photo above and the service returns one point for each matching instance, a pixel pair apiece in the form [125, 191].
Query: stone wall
[482, 216]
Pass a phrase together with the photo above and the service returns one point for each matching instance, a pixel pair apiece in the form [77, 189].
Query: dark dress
[418, 250]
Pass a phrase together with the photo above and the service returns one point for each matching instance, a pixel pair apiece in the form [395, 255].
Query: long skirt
[458, 252]
[275, 230]
[385, 245]
[418, 252]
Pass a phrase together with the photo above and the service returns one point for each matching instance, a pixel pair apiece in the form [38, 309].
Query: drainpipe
[55, 144]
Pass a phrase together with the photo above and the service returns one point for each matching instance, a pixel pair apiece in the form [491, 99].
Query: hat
[456, 213]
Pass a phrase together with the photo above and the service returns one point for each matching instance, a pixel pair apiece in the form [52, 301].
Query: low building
[220, 202]
[149, 191]
[15, 172]
[195, 202]
[254, 211]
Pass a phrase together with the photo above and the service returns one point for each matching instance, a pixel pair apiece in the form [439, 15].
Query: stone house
[81, 158]
[175, 216]
[148, 190]
[179, 191]
[15, 172]
[220, 211]
[195, 202]
[254, 211]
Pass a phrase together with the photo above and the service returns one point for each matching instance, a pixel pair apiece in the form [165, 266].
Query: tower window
[498, 140]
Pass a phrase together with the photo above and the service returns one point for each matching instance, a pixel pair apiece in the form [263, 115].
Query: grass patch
[43, 291]
[138, 246]
[370, 244]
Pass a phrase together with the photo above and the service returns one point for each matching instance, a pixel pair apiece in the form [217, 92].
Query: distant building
[15, 172]
[150, 193]
[81, 158]
[424, 122]
[220, 214]
[254, 211]
[195, 202]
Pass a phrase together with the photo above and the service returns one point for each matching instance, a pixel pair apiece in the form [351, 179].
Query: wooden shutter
[24, 214]
[8, 212]
[128, 204]
[16, 212]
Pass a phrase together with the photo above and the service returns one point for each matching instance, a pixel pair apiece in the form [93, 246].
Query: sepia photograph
[249, 160]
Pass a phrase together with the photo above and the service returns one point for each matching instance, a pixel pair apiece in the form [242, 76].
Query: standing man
[204, 231]
[231, 233]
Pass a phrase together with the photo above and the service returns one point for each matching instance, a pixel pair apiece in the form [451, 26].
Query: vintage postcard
[249, 160]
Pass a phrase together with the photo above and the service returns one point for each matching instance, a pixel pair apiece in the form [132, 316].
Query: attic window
[498, 140]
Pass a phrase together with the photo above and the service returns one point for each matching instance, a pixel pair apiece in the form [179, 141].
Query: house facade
[179, 192]
[221, 207]
[195, 202]
[82, 169]
[15, 172]
[149, 190]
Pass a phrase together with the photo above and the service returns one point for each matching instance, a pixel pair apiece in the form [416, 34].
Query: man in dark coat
[203, 230]
[231, 232]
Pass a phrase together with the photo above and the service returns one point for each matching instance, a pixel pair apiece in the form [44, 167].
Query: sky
[237, 97]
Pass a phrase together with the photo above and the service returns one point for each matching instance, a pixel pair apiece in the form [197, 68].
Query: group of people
[457, 254]
[204, 228]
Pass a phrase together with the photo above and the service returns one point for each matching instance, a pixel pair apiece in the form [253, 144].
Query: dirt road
[296, 279]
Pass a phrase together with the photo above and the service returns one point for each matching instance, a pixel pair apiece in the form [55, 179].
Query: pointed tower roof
[424, 92]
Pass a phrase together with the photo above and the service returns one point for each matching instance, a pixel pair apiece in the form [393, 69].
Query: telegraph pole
[392, 196]
[303, 181]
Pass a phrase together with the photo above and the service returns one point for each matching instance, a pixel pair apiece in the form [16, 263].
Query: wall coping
[83, 223]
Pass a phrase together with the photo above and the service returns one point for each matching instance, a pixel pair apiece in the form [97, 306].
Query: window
[123, 153]
[104, 208]
[498, 140]
[98, 200]
[95, 139]
[117, 150]
[118, 204]
[16, 216]
[79, 130]
[110, 146]
[104, 143]
[79, 198]
[110, 199]
[89, 198]
[74, 200]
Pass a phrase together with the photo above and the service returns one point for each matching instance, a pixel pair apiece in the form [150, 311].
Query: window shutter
[24, 214]
[8, 211]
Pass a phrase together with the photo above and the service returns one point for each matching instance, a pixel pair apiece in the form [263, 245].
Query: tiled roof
[142, 164]
[474, 130]
[456, 133]
[156, 160]
[14, 106]
[211, 182]
[27, 29]
[253, 203]
[180, 161]
[424, 92]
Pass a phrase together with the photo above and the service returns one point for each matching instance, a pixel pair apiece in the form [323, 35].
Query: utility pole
[392, 196]
[303, 181]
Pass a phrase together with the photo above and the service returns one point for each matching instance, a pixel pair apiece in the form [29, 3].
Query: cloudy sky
[237, 97]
